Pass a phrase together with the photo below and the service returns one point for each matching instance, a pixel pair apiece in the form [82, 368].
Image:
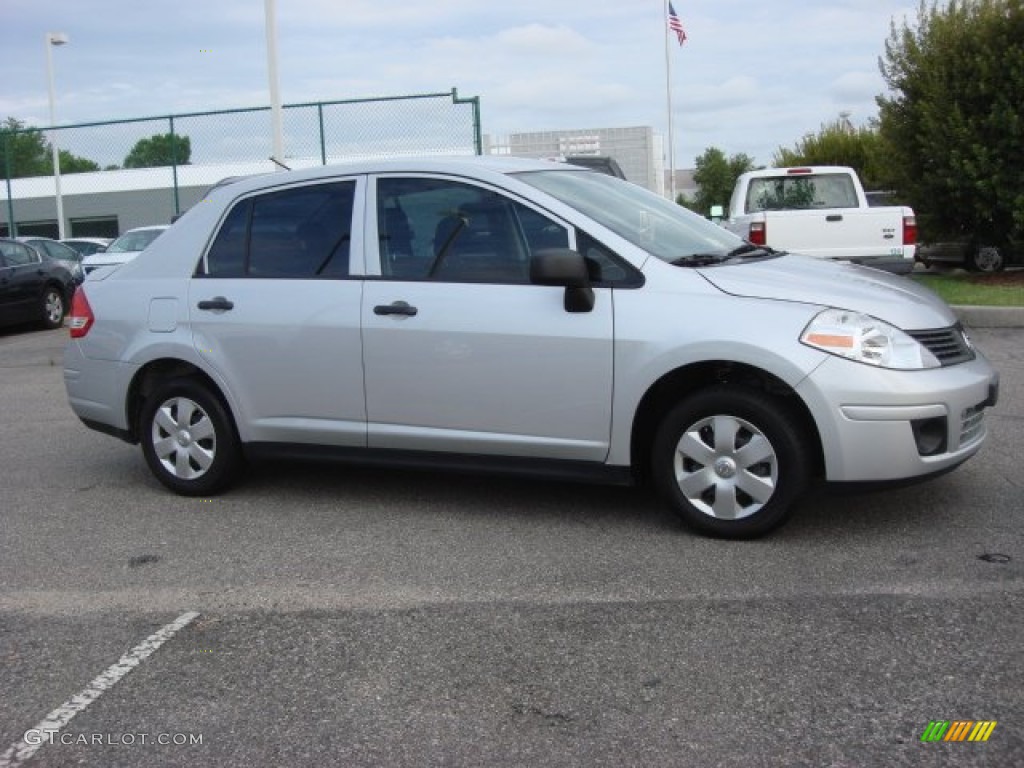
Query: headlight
[867, 340]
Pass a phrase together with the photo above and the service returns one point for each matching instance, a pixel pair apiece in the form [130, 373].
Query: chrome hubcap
[54, 307]
[184, 439]
[726, 467]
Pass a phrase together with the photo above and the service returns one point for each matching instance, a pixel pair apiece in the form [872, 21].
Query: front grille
[972, 424]
[949, 345]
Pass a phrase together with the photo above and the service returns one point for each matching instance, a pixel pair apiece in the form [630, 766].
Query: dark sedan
[33, 288]
[57, 251]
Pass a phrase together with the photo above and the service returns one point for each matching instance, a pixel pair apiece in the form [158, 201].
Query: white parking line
[20, 751]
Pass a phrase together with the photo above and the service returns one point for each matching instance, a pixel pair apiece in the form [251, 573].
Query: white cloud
[856, 87]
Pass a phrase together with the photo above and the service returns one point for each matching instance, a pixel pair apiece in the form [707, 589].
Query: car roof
[469, 164]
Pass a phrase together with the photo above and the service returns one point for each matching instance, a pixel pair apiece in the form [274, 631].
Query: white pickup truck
[821, 211]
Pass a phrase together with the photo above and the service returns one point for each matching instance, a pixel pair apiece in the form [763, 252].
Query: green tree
[30, 154]
[25, 150]
[70, 163]
[715, 177]
[953, 126]
[159, 149]
[839, 143]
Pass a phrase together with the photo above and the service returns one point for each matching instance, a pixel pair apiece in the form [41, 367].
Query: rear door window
[300, 233]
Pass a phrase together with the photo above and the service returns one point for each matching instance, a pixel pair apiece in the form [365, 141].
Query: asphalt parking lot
[321, 616]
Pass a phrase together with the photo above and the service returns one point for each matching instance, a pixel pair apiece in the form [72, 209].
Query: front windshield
[649, 221]
[134, 241]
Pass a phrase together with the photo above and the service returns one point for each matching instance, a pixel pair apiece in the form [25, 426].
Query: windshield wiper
[751, 251]
[700, 259]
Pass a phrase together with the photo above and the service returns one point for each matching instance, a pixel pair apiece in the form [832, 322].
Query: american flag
[675, 24]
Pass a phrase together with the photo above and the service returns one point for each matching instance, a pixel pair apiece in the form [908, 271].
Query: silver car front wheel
[726, 467]
[731, 461]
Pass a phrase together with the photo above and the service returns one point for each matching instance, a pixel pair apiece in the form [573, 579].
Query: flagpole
[668, 98]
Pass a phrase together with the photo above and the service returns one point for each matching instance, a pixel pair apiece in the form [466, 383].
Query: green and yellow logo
[958, 730]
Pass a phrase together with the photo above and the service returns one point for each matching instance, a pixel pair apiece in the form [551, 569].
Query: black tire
[985, 258]
[53, 307]
[188, 438]
[743, 465]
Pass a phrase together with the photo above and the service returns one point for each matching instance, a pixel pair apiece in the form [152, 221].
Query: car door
[22, 278]
[461, 353]
[275, 310]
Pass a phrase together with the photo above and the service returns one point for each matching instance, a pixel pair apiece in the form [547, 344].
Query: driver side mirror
[567, 268]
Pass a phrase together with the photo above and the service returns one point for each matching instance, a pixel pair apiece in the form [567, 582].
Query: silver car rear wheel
[188, 437]
[184, 439]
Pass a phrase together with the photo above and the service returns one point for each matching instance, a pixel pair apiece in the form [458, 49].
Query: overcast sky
[751, 77]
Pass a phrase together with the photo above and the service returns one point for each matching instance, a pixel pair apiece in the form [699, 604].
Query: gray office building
[637, 150]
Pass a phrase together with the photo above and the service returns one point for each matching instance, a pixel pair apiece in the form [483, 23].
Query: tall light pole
[270, 14]
[52, 39]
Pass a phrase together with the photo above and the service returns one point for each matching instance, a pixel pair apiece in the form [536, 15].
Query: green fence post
[478, 142]
[174, 168]
[12, 226]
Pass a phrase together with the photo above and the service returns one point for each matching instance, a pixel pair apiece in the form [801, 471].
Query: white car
[518, 315]
[86, 246]
[125, 248]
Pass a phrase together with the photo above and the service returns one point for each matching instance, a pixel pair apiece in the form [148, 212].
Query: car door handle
[217, 302]
[395, 308]
[834, 217]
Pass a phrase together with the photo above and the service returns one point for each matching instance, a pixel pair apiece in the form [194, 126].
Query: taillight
[81, 316]
[758, 233]
[909, 230]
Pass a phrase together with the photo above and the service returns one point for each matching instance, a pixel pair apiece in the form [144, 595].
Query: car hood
[897, 300]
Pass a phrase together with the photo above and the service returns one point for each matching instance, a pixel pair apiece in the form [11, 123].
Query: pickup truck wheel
[730, 462]
[188, 439]
[985, 258]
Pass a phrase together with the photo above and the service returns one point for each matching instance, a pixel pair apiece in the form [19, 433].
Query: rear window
[782, 193]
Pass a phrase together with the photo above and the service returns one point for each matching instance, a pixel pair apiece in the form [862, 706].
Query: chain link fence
[148, 170]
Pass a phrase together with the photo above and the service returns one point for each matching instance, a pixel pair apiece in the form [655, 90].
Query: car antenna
[277, 162]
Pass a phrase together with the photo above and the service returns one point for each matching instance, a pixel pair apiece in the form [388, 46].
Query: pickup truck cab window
[827, 190]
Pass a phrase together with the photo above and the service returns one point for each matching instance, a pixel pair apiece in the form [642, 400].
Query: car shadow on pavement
[463, 493]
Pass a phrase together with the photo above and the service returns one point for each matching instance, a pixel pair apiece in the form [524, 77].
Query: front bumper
[871, 420]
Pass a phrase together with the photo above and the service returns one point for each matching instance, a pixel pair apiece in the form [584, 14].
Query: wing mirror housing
[567, 268]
